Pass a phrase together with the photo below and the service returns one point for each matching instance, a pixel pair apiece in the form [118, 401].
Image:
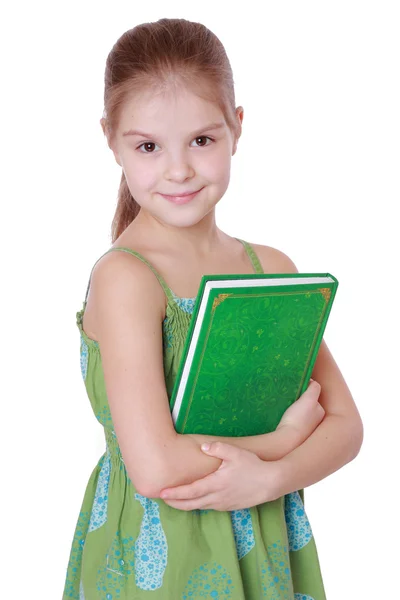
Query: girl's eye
[147, 144]
[203, 137]
[150, 144]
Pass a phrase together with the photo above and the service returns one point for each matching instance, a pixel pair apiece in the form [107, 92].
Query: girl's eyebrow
[209, 127]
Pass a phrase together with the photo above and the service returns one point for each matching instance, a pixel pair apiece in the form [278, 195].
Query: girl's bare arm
[130, 340]
[336, 441]
[297, 424]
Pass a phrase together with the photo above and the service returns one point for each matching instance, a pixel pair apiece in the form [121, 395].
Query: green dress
[129, 547]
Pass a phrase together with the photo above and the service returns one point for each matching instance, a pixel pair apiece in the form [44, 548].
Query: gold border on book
[323, 291]
[326, 292]
[220, 298]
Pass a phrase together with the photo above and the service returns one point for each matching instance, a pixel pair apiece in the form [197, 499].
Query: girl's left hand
[242, 480]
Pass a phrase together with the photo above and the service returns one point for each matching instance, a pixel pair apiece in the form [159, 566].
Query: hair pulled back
[156, 56]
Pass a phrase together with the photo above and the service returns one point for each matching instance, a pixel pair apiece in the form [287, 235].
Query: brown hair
[153, 56]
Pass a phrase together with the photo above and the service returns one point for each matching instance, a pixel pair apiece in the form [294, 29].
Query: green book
[250, 350]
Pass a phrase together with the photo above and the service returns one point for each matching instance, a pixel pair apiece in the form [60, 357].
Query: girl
[163, 517]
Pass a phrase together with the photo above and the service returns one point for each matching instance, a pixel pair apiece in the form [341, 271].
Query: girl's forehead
[153, 101]
[185, 112]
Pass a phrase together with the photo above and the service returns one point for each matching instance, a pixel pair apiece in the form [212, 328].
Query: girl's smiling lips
[182, 198]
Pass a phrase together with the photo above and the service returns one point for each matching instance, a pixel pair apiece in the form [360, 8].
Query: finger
[202, 503]
[314, 385]
[221, 450]
[198, 488]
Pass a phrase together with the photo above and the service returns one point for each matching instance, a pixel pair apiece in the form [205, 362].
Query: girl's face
[172, 144]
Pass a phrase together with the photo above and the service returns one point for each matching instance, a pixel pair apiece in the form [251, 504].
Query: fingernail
[205, 447]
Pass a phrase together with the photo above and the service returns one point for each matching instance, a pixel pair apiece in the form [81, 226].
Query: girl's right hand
[304, 415]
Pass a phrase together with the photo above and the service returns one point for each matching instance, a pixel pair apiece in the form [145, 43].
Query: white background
[316, 175]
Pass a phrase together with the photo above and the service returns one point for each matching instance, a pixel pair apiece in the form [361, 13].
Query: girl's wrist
[289, 438]
[275, 475]
[272, 480]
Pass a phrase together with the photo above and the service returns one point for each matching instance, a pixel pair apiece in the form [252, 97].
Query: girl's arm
[338, 439]
[296, 425]
[335, 442]
[130, 341]
[267, 446]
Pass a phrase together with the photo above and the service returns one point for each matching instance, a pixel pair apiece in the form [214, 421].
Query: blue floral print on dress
[84, 358]
[118, 566]
[186, 304]
[99, 510]
[298, 526]
[243, 531]
[75, 559]
[275, 573]
[209, 581]
[151, 549]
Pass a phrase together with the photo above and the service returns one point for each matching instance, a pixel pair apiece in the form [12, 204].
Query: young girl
[163, 517]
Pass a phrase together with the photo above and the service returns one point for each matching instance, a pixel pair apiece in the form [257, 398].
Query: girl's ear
[103, 125]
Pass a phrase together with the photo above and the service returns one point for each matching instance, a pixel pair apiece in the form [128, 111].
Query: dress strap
[143, 259]
[253, 256]
[168, 292]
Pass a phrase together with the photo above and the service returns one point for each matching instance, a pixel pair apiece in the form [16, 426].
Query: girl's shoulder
[274, 260]
[120, 275]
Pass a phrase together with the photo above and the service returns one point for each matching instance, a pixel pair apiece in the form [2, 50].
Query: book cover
[250, 350]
